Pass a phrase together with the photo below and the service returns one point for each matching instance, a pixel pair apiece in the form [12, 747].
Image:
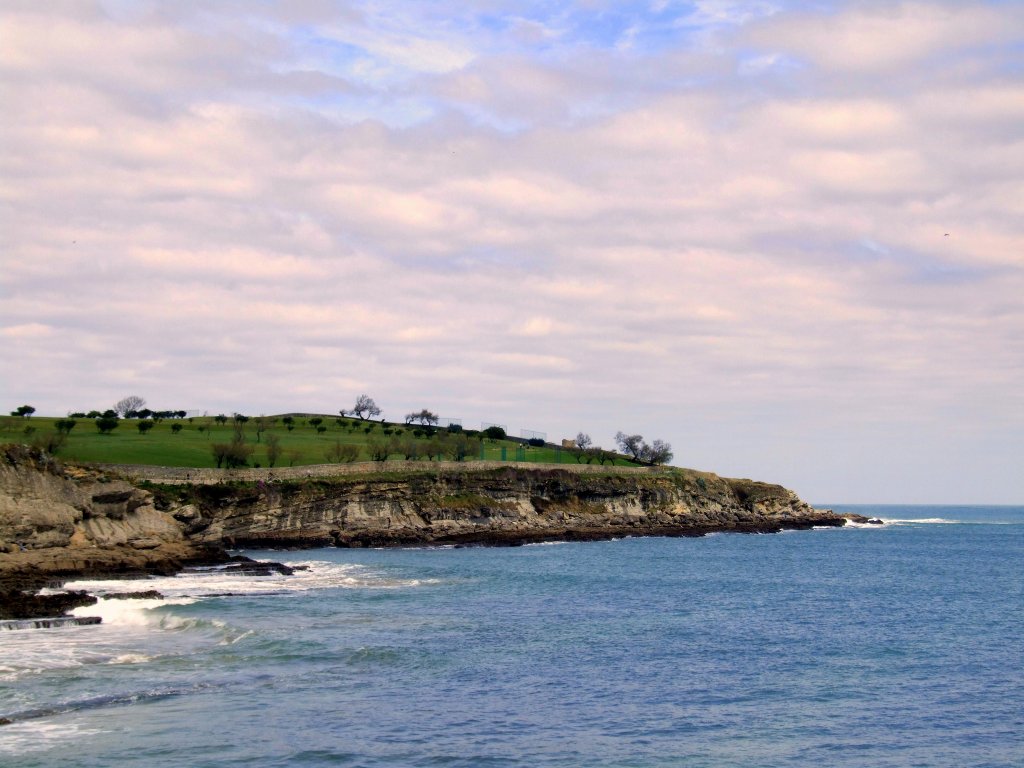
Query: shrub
[536, 442]
[51, 442]
[175, 428]
[65, 425]
[144, 427]
[107, 424]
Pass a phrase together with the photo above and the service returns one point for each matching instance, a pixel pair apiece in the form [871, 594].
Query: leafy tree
[458, 447]
[316, 421]
[364, 408]
[76, 415]
[240, 419]
[176, 428]
[64, 426]
[220, 418]
[107, 424]
[321, 429]
[127, 404]
[25, 411]
[144, 426]
[93, 415]
[494, 433]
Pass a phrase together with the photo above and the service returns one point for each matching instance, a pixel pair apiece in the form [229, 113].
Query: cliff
[60, 521]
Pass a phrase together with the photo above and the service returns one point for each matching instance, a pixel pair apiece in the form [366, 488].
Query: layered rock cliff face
[493, 506]
[60, 521]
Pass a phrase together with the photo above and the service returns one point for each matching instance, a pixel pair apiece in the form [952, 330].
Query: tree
[126, 404]
[316, 421]
[582, 448]
[175, 428]
[25, 411]
[424, 417]
[658, 452]
[50, 442]
[494, 432]
[273, 446]
[220, 418]
[410, 447]
[379, 449]
[233, 454]
[458, 446]
[364, 408]
[341, 452]
[107, 424]
[144, 426]
[630, 444]
[64, 426]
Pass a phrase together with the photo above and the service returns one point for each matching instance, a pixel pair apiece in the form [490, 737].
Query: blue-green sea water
[896, 645]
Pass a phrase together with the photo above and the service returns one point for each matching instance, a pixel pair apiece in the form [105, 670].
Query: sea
[876, 645]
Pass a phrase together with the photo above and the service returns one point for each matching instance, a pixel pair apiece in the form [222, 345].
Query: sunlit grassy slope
[303, 444]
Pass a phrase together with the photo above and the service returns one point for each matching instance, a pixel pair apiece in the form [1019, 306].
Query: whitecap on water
[221, 581]
[919, 521]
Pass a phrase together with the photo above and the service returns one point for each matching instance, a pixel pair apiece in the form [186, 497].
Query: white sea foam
[219, 581]
[919, 521]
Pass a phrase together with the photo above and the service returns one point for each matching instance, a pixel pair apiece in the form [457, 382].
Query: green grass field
[192, 445]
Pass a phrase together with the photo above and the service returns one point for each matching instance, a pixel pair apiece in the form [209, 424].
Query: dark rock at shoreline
[22, 605]
[149, 594]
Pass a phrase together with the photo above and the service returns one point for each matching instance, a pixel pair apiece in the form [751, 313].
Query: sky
[785, 237]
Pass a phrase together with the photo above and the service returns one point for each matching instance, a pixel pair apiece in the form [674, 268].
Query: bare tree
[658, 452]
[365, 405]
[273, 447]
[130, 404]
[631, 444]
[424, 417]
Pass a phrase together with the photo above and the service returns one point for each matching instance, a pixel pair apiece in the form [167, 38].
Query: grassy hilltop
[189, 442]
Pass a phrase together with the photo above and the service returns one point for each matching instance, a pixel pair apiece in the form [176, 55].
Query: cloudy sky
[786, 237]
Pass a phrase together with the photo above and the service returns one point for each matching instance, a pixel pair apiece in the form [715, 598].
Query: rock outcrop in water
[62, 521]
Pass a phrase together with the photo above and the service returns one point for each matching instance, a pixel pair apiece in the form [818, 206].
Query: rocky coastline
[59, 522]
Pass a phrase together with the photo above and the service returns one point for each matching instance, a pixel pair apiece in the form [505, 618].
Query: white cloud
[686, 259]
